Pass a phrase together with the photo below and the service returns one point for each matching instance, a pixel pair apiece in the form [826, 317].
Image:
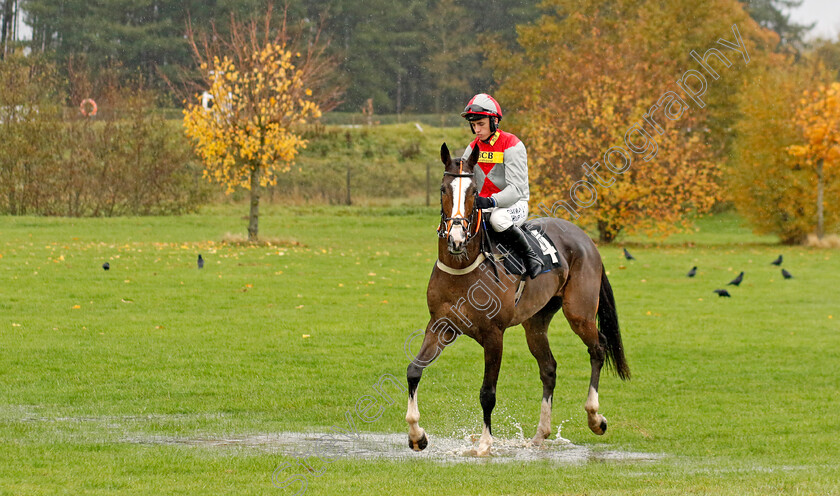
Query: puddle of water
[511, 446]
[372, 446]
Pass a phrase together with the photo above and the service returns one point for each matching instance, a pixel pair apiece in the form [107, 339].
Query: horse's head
[459, 219]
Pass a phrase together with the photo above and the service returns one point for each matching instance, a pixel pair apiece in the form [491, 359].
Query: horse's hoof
[597, 427]
[482, 451]
[539, 438]
[420, 444]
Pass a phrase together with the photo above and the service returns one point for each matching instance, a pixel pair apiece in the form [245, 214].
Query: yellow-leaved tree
[818, 116]
[613, 143]
[260, 90]
[775, 178]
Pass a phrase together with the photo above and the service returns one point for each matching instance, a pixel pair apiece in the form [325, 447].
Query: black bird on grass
[106, 266]
[628, 256]
[737, 280]
[786, 274]
[692, 272]
[200, 262]
[722, 292]
[778, 261]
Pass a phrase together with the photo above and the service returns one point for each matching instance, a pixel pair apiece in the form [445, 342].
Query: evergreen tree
[769, 14]
[407, 55]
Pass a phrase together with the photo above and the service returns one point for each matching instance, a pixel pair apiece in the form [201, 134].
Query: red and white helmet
[482, 105]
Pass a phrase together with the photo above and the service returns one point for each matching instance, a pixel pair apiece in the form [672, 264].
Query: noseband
[446, 223]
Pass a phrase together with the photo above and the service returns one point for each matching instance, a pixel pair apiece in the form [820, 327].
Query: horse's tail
[608, 325]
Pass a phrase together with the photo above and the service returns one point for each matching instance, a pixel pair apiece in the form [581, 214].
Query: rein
[446, 224]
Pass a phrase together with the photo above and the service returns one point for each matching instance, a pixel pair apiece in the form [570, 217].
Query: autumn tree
[818, 116]
[29, 124]
[764, 182]
[260, 90]
[776, 190]
[613, 143]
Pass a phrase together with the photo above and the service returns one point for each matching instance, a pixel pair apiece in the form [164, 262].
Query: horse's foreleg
[536, 333]
[538, 344]
[492, 344]
[429, 351]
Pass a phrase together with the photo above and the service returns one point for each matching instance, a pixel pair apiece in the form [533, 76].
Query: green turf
[100, 371]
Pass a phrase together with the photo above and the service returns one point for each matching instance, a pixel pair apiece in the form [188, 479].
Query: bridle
[467, 223]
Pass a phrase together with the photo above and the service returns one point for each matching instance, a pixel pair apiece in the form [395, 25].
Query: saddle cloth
[541, 244]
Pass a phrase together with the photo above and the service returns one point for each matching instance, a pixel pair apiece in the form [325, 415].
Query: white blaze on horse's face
[457, 233]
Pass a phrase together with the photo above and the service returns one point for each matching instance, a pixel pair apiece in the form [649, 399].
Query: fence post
[428, 181]
[348, 185]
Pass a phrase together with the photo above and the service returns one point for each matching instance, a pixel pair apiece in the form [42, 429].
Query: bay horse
[469, 293]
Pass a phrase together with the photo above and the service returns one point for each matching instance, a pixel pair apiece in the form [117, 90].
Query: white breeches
[503, 218]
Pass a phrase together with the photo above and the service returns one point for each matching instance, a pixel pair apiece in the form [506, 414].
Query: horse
[470, 293]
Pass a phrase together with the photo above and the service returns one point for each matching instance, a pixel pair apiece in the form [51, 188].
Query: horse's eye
[442, 190]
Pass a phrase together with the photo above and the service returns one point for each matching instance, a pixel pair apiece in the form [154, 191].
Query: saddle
[541, 244]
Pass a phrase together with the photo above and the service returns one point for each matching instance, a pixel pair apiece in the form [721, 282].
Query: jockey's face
[481, 128]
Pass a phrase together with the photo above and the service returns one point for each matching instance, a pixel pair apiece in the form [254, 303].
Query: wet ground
[510, 446]
[332, 445]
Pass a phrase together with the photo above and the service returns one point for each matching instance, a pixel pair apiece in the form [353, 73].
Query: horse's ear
[473, 156]
[444, 155]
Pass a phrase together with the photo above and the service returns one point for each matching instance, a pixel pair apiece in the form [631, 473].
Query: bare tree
[319, 67]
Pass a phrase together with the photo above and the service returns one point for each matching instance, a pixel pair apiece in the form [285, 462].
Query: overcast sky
[825, 12]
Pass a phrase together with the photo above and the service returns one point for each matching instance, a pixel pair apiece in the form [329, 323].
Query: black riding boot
[515, 238]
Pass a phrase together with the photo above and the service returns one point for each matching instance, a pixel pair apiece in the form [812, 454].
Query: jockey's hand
[482, 203]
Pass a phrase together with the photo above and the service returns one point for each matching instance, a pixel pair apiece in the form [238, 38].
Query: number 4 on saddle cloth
[541, 244]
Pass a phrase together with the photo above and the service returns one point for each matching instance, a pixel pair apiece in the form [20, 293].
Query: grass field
[128, 381]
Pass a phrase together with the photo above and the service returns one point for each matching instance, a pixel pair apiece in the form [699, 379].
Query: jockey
[501, 177]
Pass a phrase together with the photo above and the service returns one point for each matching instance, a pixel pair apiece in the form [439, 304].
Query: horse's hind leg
[597, 422]
[580, 307]
[536, 333]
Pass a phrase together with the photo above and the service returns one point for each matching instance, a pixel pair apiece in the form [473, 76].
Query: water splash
[374, 446]
[559, 435]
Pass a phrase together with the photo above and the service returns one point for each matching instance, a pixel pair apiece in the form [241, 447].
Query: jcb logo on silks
[491, 157]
